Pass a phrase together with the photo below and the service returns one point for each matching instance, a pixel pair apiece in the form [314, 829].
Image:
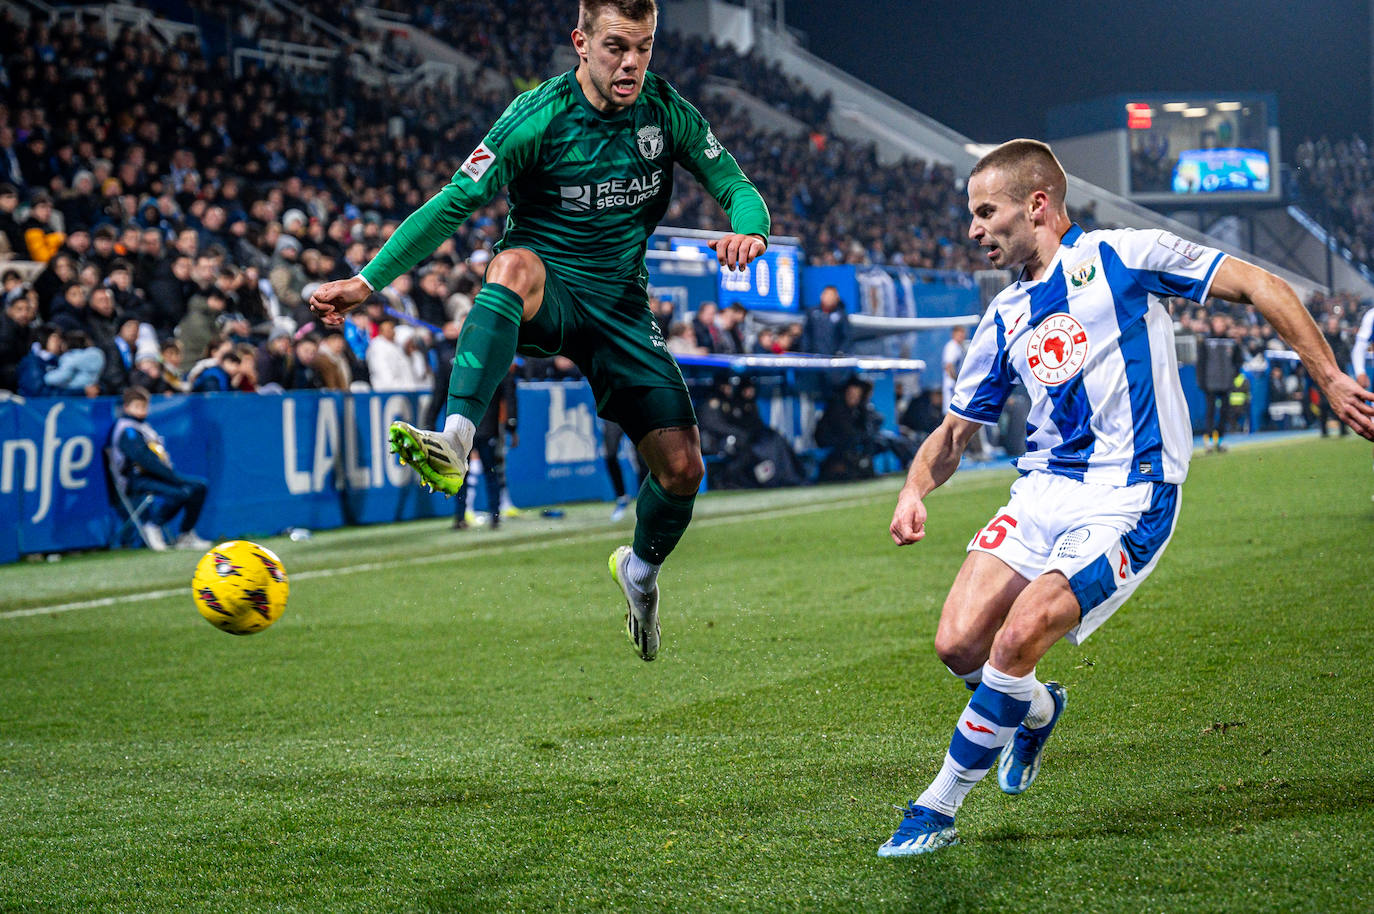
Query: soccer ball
[240, 587]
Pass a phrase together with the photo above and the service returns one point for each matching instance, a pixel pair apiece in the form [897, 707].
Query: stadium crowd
[182, 213]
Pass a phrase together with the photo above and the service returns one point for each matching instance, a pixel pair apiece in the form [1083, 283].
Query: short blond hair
[1028, 165]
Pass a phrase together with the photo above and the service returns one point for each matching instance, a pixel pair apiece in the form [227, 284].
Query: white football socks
[1042, 708]
[979, 745]
[640, 575]
[460, 431]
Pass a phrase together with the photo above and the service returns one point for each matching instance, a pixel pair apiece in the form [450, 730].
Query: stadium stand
[193, 175]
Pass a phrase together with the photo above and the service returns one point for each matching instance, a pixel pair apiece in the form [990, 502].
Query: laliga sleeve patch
[1188, 250]
[476, 164]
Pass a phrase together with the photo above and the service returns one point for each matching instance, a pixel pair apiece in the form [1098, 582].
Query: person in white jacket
[388, 365]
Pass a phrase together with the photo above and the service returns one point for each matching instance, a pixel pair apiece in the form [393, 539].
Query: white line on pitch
[478, 552]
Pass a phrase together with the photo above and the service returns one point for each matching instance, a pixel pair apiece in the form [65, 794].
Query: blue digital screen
[771, 283]
[1210, 171]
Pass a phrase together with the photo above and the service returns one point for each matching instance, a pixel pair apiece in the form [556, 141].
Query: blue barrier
[320, 460]
[297, 460]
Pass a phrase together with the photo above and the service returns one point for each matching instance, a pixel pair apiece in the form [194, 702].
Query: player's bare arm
[934, 463]
[1246, 283]
[332, 300]
[735, 252]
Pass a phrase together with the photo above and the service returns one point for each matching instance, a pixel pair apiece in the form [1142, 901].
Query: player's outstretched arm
[1246, 283]
[735, 252]
[934, 463]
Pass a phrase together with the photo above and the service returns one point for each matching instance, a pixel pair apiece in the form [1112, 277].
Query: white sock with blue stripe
[997, 707]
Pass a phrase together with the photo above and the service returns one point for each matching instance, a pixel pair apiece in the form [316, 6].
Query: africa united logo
[650, 142]
[1057, 349]
[225, 567]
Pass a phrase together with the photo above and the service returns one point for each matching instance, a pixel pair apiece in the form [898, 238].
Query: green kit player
[588, 159]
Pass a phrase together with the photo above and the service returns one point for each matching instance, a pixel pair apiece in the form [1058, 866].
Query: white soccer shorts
[1104, 539]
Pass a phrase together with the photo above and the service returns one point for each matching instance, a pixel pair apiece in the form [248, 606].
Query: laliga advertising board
[303, 459]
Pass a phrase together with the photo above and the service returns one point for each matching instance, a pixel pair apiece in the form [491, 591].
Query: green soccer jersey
[586, 189]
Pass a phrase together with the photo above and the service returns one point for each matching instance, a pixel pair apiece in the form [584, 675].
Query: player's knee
[518, 270]
[1021, 639]
[683, 474]
[957, 653]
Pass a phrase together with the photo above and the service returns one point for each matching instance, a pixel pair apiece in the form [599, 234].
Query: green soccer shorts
[605, 326]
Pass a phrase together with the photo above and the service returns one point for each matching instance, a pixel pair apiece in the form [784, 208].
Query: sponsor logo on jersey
[1188, 250]
[713, 148]
[478, 162]
[650, 141]
[1083, 274]
[1057, 349]
[618, 193]
[576, 199]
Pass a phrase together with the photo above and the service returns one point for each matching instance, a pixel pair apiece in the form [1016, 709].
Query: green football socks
[662, 518]
[486, 348]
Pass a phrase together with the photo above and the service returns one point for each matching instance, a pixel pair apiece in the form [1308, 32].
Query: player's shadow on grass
[1212, 806]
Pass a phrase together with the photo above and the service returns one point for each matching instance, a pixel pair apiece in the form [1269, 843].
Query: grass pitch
[456, 722]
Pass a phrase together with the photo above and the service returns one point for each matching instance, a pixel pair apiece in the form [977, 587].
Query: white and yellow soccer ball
[240, 587]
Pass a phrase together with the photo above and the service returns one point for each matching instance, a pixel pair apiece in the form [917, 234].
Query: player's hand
[735, 252]
[909, 519]
[332, 300]
[1351, 402]
[1362, 379]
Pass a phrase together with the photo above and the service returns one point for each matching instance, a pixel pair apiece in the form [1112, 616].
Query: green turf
[465, 727]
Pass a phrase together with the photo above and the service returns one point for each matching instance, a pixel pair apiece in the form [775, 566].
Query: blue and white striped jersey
[1094, 348]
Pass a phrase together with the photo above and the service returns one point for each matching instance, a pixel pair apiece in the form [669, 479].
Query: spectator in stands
[922, 414]
[332, 361]
[12, 243]
[704, 327]
[1340, 345]
[147, 374]
[78, 368]
[745, 452]
[246, 379]
[119, 356]
[47, 348]
[42, 236]
[951, 360]
[200, 325]
[173, 359]
[1218, 362]
[389, 365]
[764, 342]
[730, 323]
[663, 310]
[16, 338]
[852, 429]
[303, 373]
[140, 465]
[826, 330]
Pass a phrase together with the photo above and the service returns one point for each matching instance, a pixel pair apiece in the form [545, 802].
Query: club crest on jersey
[650, 141]
[1083, 274]
[1057, 349]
